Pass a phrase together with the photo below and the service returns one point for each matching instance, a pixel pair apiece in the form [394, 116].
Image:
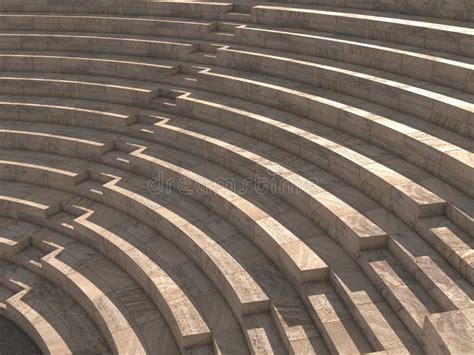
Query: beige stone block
[449, 332]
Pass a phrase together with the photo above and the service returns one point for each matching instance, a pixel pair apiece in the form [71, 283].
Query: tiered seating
[415, 32]
[430, 8]
[48, 315]
[264, 177]
[431, 66]
[276, 303]
[199, 10]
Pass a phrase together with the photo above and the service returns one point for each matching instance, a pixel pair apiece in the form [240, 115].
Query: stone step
[433, 66]
[400, 291]
[80, 113]
[145, 46]
[405, 30]
[449, 332]
[278, 178]
[417, 199]
[451, 242]
[414, 97]
[441, 280]
[83, 87]
[183, 318]
[86, 64]
[238, 17]
[398, 136]
[163, 26]
[46, 138]
[448, 10]
[228, 26]
[99, 306]
[241, 291]
[41, 310]
[198, 10]
[18, 200]
[44, 170]
[335, 323]
[294, 258]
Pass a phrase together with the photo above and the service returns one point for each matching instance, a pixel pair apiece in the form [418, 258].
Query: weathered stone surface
[240, 177]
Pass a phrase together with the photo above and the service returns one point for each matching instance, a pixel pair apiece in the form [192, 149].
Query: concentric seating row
[431, 66]
[246, 177]
[56, 263]
[429, 35]
[57, 327]
[431, 8]
[335, 329]
[198, 10]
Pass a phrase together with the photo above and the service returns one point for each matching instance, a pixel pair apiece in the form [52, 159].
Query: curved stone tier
[251, 177]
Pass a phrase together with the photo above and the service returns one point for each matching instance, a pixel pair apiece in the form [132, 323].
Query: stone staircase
[246, 177]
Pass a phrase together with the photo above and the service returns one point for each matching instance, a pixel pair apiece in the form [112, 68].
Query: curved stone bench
[426, 101]
[312, 106]
[244, 295]
[199, 10]
[358, 232]
[450, 9]
[70, 63]
[78, 87]
[401, 135]
[39, 205]
[433, 66]
[411, 31]
[146, 46]
[121, 258]
[105, 23]
[32, 303]
[446, 286]
[424, 201]
[64, 265]
[402, 188]
[52, 139]
[400, 290]
[373, 331]
[98, 305]
[272, 237]
[250, 299]
[80, 113]
[183, 318]
[446, 250]
[44, 170]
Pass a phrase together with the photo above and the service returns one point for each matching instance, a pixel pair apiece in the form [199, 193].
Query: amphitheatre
[245, 177]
